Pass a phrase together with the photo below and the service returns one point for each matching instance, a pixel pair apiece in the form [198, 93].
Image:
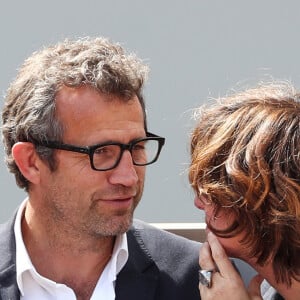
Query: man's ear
[27, 161]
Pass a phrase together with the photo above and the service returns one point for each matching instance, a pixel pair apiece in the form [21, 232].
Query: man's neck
[77, 262]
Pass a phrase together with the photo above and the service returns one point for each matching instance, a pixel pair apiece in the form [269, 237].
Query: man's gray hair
[29, 108]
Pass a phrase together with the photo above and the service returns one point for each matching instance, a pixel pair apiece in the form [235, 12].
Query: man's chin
[118, 225]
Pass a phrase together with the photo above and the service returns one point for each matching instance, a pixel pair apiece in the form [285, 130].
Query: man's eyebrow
[108, 141]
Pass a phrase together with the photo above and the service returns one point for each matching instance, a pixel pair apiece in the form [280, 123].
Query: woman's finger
[206, 265]
[205, 258]
[220, 257]
[226, 282]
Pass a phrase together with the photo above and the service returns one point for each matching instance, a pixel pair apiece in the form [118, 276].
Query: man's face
[99, 203]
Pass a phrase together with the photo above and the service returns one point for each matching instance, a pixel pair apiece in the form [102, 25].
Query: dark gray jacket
[161, 266]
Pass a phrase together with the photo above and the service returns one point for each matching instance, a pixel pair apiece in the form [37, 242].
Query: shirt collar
[120, 254]
[24, 264]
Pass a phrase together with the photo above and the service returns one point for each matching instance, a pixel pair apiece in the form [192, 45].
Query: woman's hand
[226, 281]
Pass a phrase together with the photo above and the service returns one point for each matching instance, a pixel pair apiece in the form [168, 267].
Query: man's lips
[121, 198]
[123, 202]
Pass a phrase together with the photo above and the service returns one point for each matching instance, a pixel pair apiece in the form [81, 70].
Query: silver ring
[205, 277]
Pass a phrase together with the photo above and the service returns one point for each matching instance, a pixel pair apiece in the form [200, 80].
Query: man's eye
[102, 150]
[138, 147]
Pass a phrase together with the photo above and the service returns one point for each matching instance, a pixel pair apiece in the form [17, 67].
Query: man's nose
[125, 172]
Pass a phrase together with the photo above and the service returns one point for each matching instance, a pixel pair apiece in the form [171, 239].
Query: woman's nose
[199, 203]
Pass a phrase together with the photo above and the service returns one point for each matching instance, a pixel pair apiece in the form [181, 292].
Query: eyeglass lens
[143, 152]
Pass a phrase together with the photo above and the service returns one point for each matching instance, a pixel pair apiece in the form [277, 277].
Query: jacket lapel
[139, 278]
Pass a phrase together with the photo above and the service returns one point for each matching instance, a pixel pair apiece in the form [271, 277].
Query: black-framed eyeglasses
[106, 156]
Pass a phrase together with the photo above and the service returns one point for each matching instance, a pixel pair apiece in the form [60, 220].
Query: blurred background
[196, 50]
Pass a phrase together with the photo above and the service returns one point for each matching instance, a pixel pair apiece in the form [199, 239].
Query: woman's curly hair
[245, 154]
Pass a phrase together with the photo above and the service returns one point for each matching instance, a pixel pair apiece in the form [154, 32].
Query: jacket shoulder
[160, 266]
[7, 238]
[8, 284]
[172, 253]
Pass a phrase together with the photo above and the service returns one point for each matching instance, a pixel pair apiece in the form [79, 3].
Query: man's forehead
[81, 95]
